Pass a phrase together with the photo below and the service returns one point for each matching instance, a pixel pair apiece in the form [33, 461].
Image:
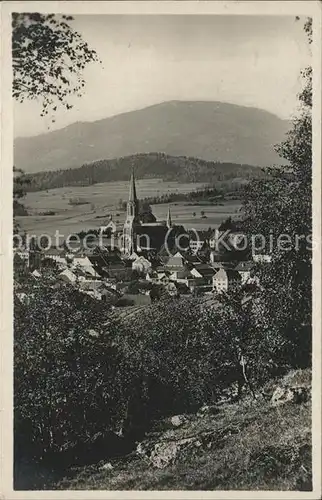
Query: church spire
[132, 220]
[169, 220]
[132, 193]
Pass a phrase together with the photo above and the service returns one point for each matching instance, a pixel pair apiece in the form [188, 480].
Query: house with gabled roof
[203, 271]
[225, 280]
[68, 276]
[141, 264]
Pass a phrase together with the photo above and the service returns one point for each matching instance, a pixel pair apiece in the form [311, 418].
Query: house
[151, 275]
[67, 276]
[93, 293]
[102, 259]
[90, 284]
[261, 258]
[141, 264]
[203, 271]
[98, 290]
[55, 254]
[24, 298]
[36, 274]
[162, 274]
[225, 280]
[197, 245]
[181, 260]
[180, 275]
[81, 260]
[83, 263]
[245, 270]
[176, 260]
[222, 265]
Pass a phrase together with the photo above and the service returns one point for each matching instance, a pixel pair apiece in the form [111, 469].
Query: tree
[145, 212]
[252, 352]
[63, 369]
[282, 205]
[48, 58]
[20, 181]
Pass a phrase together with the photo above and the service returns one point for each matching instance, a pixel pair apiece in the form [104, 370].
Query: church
[140, 236]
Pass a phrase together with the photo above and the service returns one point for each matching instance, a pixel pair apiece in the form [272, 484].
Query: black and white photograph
[163, 247]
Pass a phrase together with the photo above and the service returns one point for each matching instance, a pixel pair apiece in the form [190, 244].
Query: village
[144, 261]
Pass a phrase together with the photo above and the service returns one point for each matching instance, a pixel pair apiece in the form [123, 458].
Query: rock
[107, 466]
[178, 420]
[208, 410]
[295, 395]
[164, 454]
[144, 449]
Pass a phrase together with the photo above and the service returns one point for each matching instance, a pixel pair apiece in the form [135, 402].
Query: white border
[300, 8]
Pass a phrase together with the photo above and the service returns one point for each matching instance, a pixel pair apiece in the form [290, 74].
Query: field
[103, 200]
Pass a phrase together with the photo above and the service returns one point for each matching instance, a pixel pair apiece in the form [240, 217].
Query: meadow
[100, 201]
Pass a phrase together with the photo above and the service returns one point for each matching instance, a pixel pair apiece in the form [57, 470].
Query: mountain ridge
[172, 101]
[209, 130]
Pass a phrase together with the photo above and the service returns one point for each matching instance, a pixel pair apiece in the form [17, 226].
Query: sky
[247, 60]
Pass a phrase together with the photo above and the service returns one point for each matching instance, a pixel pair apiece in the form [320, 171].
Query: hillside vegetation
[249, 445]
[212, 131]
[152, 165]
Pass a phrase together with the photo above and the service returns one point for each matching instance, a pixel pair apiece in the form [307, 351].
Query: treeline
[208, 194]
[151, 165]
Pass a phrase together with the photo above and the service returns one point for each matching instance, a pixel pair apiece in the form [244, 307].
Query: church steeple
[132, 193]
[169, 220]
[132, 219]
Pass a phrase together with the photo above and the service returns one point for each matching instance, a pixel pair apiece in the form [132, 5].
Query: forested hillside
[153, 165]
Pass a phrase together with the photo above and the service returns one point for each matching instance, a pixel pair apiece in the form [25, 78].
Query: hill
[152, 165]
[245, 445]
[211, 131]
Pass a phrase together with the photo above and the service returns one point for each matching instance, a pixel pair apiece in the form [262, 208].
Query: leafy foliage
[20, 183]
[282, 205]
[62, 366]
[48, 59]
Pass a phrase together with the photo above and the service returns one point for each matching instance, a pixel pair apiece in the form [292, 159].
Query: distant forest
[150, 165]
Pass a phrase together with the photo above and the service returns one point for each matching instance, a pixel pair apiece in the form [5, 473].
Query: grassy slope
[254, 446]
